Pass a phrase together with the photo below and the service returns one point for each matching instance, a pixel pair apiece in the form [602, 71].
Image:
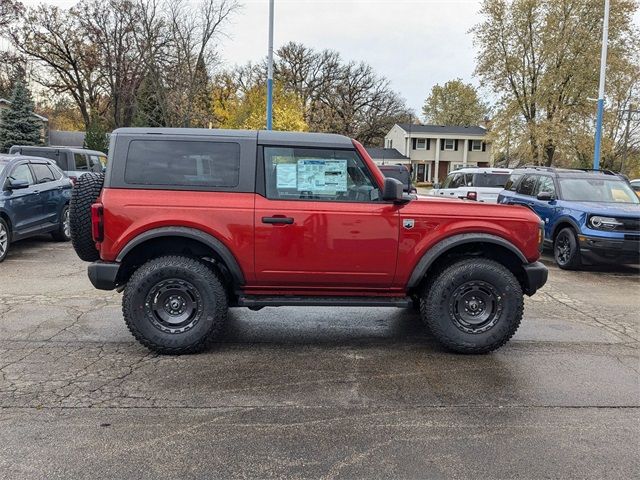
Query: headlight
[604, 223]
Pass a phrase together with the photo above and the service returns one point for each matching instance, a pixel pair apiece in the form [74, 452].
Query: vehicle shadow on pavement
[319, 326]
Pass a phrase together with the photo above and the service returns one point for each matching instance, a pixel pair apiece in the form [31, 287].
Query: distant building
[435, 150]
[387, 156]
[44, 121]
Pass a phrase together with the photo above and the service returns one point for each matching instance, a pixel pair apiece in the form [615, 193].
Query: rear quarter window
[512, 183]
[491, 180]
[183, 163]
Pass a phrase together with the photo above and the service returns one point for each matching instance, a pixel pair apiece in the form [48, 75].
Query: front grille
[628, 224]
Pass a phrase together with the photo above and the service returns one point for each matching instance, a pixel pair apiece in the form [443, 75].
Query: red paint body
[332, 248]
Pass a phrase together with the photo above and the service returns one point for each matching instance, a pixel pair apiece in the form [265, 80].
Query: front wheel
[474, 305]
[175, 305]
[566, 250]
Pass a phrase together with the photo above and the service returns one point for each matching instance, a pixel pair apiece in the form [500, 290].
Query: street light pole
[603, 69]
[270, 69]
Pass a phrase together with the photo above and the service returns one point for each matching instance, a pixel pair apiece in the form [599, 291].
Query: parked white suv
[481, 184]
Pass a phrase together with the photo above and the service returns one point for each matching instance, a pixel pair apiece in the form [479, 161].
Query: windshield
[3, 165]
[495, 180]
[597, 190]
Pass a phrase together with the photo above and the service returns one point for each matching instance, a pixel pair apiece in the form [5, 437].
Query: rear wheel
[63, 233]
[5, 239]
[566, 250]
[474, 305]
[175, 305]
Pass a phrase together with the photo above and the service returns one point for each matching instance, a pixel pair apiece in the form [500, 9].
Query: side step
[259, 301]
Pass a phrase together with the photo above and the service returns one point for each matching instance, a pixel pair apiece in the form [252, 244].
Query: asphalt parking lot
[313, 392]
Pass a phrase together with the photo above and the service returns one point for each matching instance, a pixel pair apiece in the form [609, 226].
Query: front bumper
[536, 275]
[610, 249]
[103, 275]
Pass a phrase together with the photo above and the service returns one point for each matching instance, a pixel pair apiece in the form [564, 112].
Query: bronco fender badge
[408, 223]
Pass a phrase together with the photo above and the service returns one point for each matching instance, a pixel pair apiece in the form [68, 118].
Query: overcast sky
[414, 43]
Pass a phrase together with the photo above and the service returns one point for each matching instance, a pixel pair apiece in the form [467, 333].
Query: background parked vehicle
[590, 215]
[399, 172]
[34, 199]
[635, 184]
[72, 161]
[481, 184]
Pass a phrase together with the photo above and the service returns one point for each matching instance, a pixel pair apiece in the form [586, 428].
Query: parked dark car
[399, 172]
[588, 215]
[72, 161]
[34, 199]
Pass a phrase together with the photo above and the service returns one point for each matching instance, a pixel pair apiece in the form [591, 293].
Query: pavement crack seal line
[606, 326]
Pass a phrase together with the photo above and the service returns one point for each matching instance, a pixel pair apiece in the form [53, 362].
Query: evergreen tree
[18, 125]
[96, 137]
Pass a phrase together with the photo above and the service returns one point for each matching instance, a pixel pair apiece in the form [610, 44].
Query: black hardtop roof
[263, 137]
[55, 148]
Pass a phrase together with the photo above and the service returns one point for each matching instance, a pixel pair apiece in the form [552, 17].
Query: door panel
[50, 192]
[25, 203]
[326, 243]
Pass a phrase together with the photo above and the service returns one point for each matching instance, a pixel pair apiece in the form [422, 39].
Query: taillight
[97, 223]
[472, 195]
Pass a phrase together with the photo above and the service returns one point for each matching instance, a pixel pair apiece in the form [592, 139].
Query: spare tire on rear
[85, 193]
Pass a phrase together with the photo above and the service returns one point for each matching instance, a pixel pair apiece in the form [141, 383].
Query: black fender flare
[561, 220]
[209, 240]
[448, 243]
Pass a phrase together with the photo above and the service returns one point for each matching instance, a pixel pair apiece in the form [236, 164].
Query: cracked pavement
[314, 392]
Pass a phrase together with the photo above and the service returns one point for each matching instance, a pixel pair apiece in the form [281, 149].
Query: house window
[389, 143]
[476, 146]
[421, 143]
[449, 144]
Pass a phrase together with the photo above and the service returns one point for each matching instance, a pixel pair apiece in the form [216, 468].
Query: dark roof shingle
[443, 129]
[386, 153]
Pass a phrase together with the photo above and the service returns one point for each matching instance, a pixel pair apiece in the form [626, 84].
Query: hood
[607, 209]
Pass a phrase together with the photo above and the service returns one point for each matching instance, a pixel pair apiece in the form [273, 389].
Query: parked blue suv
[590, 215]
[34, 199]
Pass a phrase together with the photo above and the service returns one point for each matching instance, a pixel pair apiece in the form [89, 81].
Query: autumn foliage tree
[454, 103]
[541, 58]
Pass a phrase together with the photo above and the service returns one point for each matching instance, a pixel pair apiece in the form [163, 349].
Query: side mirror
[545, 196]
[393, 190]
[18, 184]
[436, 186]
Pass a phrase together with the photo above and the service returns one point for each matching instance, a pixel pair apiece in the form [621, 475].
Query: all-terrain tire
[84, 194]
[566, 249]
[458, 293]
[155, 321]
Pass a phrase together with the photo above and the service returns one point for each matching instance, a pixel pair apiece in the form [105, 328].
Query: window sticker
[322, 176]
[286, 175]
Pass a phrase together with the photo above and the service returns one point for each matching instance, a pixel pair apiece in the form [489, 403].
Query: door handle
[278, 220]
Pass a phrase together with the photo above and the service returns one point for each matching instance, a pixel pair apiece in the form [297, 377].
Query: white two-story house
[435, 150]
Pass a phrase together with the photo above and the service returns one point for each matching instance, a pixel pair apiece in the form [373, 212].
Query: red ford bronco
[190, 222]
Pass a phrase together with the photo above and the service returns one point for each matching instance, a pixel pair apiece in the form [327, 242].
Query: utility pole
[603, 69]
[270, 70]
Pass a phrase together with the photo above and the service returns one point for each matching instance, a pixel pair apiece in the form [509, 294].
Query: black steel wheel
[473, 305]
[566, 250]
[175, 305]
